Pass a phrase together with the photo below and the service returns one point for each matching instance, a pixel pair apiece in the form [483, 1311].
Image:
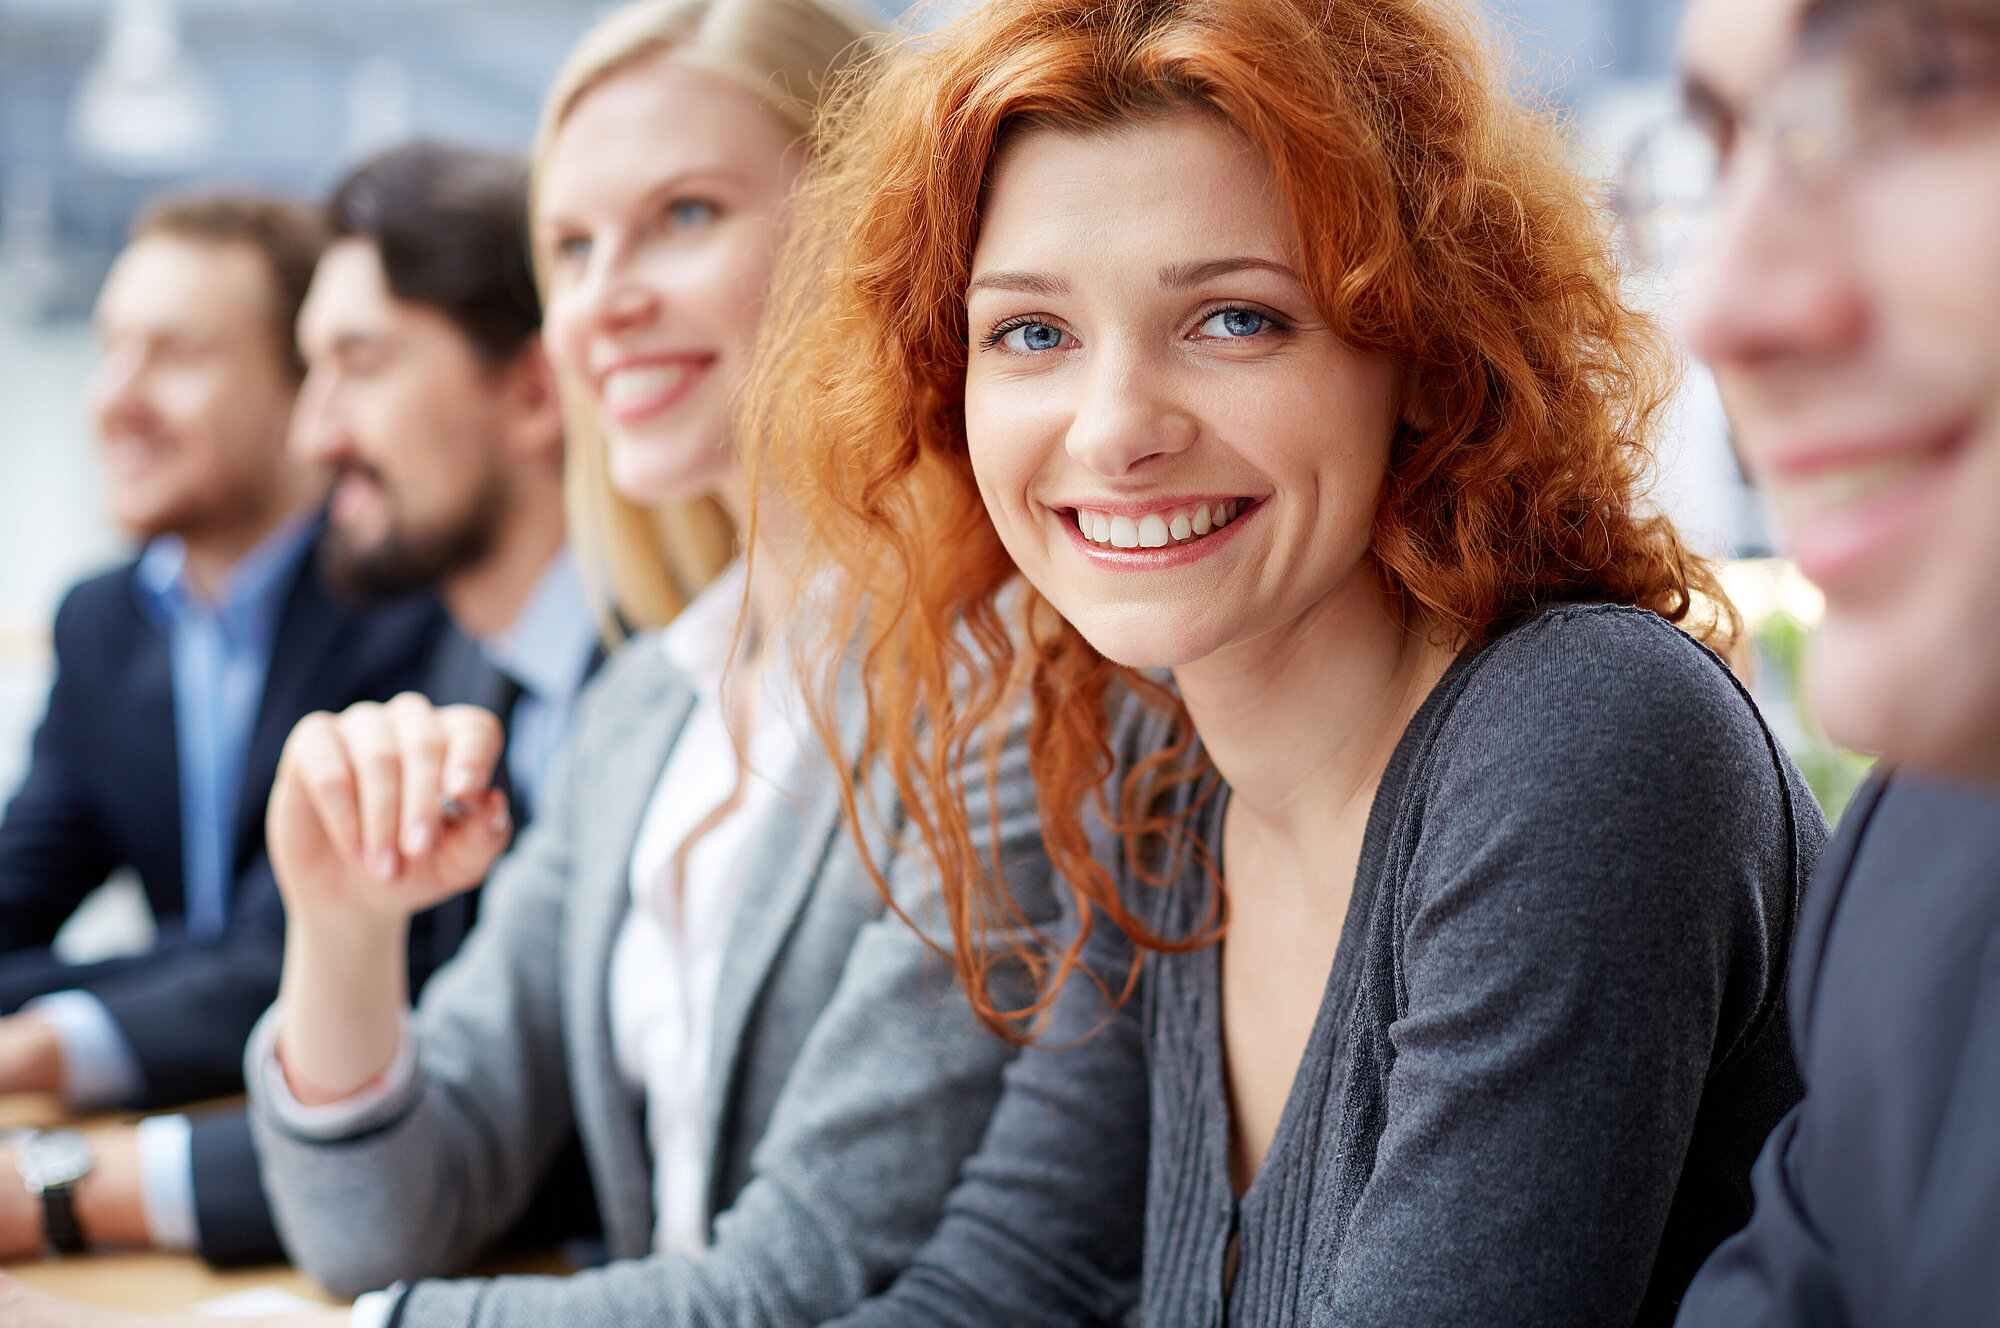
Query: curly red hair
[1440, 226]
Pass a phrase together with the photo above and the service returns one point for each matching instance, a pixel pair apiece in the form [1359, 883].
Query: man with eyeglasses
[1849, 304]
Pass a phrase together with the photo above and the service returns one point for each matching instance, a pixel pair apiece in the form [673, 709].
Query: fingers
[378, 777]
[473, 741]
[315, 759]
[377, 761]
[469, 846]
[420, 738]
[448, 760]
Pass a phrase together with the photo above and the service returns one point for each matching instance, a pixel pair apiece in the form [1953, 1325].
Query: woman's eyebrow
[1027, 283]
[1175, 276]
[1180, 276]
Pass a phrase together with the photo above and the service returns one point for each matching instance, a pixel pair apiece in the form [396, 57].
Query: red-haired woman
[1430, 922]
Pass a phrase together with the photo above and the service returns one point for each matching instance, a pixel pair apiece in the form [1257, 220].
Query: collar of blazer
[778, 884]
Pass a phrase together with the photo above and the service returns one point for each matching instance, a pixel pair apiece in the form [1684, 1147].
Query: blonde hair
[649, 561]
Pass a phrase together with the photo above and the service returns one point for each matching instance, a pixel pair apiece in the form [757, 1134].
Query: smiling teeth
[1156, 530]
[1801, 499]
[625, 387]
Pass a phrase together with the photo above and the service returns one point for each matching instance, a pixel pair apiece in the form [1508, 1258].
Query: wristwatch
[51, 1164]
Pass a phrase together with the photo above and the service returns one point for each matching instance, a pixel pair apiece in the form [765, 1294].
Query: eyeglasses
[1880, 78]
[1873, 81]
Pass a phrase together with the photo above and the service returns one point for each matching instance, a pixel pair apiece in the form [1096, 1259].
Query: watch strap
[59, 1224]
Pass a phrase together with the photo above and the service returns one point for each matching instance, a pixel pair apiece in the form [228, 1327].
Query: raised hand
[378, 813]
[381, 811]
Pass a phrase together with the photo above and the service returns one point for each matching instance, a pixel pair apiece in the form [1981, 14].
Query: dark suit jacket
[102, 791]
[1878, 1197]
[231, 1211]
[102, 788]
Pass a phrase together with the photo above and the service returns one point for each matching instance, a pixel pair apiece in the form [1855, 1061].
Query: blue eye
[1032, 338]
[1234, 323]
[687, 213]
[572, 249]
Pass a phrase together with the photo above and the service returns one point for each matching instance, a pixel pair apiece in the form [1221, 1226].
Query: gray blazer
[850, 1078]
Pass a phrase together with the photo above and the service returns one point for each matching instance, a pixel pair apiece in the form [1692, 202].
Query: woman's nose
[618, 296]
[1126, 416]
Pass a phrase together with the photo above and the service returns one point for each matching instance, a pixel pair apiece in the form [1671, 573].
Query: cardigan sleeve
[1583, 938]
[1047, 1225]
[1045, 1228]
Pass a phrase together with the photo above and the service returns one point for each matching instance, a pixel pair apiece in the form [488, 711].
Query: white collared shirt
[667, 962]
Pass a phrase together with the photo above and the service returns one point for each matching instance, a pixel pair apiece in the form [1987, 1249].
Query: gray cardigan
[850, 1077]
[1551, 1044]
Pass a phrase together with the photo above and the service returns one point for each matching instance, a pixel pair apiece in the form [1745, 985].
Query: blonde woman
[684, 959]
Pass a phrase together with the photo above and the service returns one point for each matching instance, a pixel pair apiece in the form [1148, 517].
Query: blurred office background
[104, 102]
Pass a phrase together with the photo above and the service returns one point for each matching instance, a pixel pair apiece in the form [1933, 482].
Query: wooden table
[138, 1279]
[154, 1281]
[151, 1280]
[147, 1280]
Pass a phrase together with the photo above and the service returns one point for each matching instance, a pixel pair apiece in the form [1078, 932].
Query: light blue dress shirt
[220, 652]
[547, 650]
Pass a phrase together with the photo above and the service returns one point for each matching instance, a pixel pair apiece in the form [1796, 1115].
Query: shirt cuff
[377, 1309]
[100, 1068]
[373, 1310]
[166, 1181]
[330, 1120]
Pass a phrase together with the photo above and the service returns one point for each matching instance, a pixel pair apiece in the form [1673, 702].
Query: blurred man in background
[1850, 308]
[179, 675]
[429, 401]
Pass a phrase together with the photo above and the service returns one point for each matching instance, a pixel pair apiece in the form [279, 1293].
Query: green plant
[1781, 640]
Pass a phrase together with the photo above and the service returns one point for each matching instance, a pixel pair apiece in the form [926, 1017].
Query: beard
[409, 557]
